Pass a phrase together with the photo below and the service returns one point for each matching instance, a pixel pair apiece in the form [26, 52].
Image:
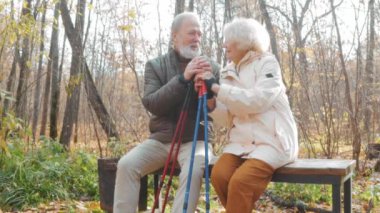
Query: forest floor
[361, 184]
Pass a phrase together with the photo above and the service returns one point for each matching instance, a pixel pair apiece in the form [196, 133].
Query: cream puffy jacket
[253, 104]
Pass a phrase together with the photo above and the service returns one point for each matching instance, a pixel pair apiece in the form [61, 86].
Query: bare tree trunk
[51, 68]
[55, 96]
[191, 5]
[159, 29]
[270, 28]
[12, 74]
[356, 143]
[369, 73]
[21, 96]
[76, 77]
[79, 26]
[227, 11]
[179, 7]
[37, 91]
[11, 78]
[218, 41]
[94, 57]
[98, 106]
[88, 25]
[55, 81]
[227, 18]
[92, 94]
[272, 33]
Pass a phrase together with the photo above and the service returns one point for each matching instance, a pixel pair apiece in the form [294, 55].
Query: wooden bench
[337, 173]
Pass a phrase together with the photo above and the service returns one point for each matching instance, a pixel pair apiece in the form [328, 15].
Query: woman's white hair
[248, 34]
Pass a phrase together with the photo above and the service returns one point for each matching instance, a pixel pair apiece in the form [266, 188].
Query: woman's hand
[210, 80]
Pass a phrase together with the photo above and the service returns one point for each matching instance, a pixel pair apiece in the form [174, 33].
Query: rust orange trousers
[239, 182]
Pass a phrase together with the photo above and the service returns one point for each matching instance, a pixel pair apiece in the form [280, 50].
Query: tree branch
[281, 12]
[318, 18]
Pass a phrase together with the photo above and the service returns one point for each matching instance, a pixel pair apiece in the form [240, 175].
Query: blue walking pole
[201, 99]
[207, 182]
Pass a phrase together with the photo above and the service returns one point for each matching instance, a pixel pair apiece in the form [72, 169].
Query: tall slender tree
[52, 67]
[369, 71]
[92, 93]
[12, 74]
[37, 91]
[270, 27]
[356, 140]
[179, 7]
[191, 5]
[55, 82]
[21, 96]
[79, 25]
[76, 77]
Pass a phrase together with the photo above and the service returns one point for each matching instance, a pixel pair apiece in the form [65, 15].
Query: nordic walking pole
[205, 114]
[182, 119]
[179, 142]
[201, 93]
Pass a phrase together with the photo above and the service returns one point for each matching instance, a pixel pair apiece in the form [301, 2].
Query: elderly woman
[251, 102]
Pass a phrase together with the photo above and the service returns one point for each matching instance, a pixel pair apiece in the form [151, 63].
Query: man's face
[187, 39]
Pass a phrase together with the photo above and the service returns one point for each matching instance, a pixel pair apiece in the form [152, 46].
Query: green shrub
[308, 193]
[371, 193]
[45, 173]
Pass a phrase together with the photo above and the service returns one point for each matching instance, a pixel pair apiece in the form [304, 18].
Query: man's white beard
[187, 52]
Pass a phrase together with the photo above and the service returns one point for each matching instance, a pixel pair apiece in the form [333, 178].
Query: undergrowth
[30, 175]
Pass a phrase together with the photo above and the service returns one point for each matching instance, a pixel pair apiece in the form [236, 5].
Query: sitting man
[167, 79]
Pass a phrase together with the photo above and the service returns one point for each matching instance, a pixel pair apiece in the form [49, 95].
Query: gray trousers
[149, 156]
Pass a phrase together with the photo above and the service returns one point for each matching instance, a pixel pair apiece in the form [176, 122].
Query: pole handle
[202, 89]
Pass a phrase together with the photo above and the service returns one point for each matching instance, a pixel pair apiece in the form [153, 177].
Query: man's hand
[208, 78]
[196, 66]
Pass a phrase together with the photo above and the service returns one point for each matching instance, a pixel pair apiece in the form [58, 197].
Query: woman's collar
[249, 57]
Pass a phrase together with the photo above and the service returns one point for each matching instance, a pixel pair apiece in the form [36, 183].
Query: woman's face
[233, 53]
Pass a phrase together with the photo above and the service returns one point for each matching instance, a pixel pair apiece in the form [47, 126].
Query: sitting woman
[252, 103]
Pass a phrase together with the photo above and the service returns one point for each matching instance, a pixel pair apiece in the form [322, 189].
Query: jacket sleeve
[258, 98]
[220, 115]
[160, 98]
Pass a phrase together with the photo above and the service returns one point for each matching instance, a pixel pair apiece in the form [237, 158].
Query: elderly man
[167, 78]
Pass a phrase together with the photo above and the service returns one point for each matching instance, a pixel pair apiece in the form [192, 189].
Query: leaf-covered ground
[360, 185]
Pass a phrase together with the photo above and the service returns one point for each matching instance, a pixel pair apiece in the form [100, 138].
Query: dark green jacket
[164, 95]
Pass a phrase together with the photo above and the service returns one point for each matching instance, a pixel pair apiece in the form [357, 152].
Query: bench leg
[336, 198]
[143, 197]
[156, 182]
[347, 196]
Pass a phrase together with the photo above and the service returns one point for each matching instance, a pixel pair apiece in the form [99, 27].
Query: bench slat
[318, 167]
[304, 167]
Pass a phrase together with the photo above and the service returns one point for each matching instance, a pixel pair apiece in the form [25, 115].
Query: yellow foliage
[3, 143]
[90, 6]
[132, 13]
[73, 82]
[9, 124]
[128, 27]
[2, 7]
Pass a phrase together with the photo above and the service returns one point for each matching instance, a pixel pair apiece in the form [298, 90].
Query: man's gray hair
[178, 20]
[248, 34]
